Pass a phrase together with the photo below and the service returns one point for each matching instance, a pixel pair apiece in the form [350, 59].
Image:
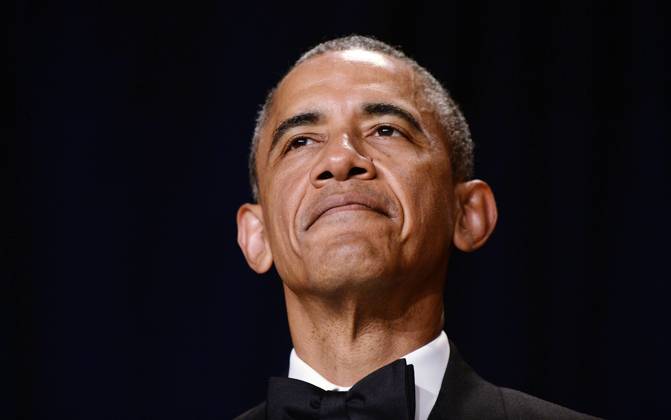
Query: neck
[345, 339]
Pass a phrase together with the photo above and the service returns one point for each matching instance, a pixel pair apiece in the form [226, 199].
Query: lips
[369, 200]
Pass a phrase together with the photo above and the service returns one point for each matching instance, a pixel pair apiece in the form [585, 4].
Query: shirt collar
[429, 363]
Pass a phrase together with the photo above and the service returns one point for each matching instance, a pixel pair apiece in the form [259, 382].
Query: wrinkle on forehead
[329, 64]
[335, 69]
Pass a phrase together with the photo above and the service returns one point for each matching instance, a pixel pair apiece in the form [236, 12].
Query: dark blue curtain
[133, 300]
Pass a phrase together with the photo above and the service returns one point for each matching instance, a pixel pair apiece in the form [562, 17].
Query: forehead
[344, 78]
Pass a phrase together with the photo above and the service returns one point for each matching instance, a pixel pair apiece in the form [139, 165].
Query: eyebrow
[312, 117]
[379, 108]
[304, 118]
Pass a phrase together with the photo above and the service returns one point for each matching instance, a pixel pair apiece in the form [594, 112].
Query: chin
[350, 267]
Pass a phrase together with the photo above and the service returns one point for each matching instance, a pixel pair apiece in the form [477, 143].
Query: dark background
[133, 123]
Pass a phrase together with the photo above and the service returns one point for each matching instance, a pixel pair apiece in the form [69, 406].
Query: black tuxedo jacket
[464, 395]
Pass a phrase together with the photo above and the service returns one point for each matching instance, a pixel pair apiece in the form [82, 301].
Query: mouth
[351, 201]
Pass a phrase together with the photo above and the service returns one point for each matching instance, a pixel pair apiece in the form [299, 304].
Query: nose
[339, 160]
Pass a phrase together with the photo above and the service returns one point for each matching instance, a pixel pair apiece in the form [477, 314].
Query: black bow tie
[387, 393]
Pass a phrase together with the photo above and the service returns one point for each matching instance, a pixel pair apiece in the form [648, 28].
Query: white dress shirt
[429, 363]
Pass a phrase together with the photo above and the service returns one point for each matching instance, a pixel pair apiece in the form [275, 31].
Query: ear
[252, 238]
[476, 215]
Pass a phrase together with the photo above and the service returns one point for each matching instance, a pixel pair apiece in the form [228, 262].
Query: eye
[387, 131]
[298, 142]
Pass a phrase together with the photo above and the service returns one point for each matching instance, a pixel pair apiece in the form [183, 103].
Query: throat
[344, 346]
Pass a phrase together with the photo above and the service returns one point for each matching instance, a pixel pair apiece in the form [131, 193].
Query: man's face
[354, 177]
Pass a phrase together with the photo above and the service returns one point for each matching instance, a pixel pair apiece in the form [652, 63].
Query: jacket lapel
[464, 395]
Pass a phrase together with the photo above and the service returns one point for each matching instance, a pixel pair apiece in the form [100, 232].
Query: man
[361, 167]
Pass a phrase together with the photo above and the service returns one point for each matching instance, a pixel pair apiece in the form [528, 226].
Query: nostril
[325, 175]
[356, 171]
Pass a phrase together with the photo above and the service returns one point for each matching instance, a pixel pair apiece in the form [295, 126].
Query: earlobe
[476, 215]
[252, 238]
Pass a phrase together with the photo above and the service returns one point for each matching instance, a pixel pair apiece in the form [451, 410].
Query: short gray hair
[449, 116]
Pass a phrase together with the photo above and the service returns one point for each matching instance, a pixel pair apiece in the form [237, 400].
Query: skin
[358, 211]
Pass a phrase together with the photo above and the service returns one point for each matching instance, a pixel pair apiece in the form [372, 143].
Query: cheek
[284, 192]
[429, 197]
[429, 235]
[421, 183]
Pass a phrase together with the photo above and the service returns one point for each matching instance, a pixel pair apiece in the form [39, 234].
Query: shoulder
[465, 395]
[519, 405]
[256, 413]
